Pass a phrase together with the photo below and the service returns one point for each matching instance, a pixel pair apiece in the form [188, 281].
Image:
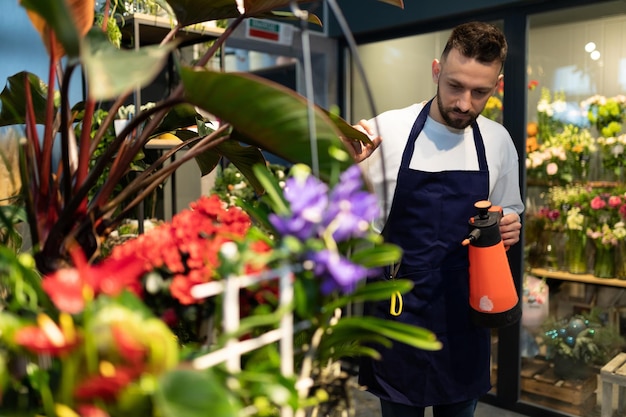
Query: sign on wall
[269, 31]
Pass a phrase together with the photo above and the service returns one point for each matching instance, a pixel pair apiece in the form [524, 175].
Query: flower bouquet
[606, 114]
[131, 333]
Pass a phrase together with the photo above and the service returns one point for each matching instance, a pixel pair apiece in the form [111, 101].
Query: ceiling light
[590, 47]
[595, 55]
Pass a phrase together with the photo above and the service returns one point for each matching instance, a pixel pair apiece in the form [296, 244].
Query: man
[441, 157]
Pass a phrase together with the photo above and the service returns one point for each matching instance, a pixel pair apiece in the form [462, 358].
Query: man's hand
[358, 150]
[510, 226]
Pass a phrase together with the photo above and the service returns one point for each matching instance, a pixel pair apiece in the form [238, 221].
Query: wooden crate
[539, 385]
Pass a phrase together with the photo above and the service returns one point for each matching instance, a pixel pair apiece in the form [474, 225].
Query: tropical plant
[99, 339]
[75, 336]
[253, 112]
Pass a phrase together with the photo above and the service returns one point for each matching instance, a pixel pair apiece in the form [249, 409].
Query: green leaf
[111, 72]
[347, 130]
[245, 158]
[411, 335]
[174, 398]
[13, 99]
[189, 12]
[57, 14]
[267, 115]
[207, 161]
[372, 291]
[178, 118]
[378, 256]
[275, 197]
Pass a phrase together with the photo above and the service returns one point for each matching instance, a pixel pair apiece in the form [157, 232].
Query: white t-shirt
[441, 148]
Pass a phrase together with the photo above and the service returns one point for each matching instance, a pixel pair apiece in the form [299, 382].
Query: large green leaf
[372, 291]
[411, 335]
[13, 99]
[189, 12]
[267, 115]
[57, 14]
[174, 398]
[377, 256]
[111, 72]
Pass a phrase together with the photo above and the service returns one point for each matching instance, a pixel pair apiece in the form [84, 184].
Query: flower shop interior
[563, 99]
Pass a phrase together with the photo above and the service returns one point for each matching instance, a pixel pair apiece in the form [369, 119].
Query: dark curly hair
[482, 41]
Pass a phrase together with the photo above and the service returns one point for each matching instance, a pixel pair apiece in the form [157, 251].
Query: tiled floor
[367, 405]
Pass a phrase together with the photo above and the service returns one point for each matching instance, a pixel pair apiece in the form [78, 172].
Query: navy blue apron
[428, 220]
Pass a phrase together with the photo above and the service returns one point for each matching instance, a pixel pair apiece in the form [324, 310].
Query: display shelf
[583, 278]
[151, 29]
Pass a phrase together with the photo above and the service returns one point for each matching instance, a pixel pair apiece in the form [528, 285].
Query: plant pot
[567, 367]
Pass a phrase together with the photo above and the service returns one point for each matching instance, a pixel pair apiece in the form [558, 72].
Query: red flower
[106, 387]
[46, 337]
[170, 317]
[66, 289]
[129, 348]
[89, 410]
[112, 276]
[69, 288]
[181, 289]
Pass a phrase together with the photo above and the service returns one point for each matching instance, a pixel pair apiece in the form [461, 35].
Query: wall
[21, 47]
[398, 72]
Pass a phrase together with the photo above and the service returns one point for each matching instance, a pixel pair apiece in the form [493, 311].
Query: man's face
[463, 87]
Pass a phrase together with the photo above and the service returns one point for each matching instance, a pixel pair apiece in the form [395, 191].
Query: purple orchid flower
[336, 272]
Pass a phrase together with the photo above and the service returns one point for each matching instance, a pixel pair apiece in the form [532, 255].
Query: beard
[446, 114]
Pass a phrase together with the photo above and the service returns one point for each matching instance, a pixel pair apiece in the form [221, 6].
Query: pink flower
[615, 201]
[598, 203]
[552, 168]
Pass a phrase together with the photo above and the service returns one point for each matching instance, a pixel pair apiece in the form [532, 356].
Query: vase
[604, 261]
[554, 250]
[620, 259]
[576, 252]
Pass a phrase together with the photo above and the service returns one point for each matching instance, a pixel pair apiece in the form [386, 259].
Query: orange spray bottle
[493, 297]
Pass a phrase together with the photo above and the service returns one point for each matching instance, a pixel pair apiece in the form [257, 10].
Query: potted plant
[578, 343]
[253, 112]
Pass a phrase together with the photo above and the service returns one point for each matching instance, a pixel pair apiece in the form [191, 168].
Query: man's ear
[500, 78]
[436, 70]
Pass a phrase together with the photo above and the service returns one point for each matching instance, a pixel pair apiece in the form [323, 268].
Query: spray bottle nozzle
[473, 235]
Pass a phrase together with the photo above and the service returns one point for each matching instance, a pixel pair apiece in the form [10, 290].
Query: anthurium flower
[47, 337]
[70, 288]
[107, 384]
[131, 349]
[89, 410]
[66, 288]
